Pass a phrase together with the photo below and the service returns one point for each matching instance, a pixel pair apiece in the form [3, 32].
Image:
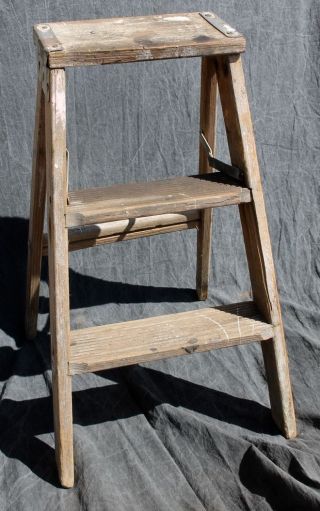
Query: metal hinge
[225, 168]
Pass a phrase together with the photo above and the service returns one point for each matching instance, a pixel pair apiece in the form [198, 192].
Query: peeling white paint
[145, 54]
[176, 18]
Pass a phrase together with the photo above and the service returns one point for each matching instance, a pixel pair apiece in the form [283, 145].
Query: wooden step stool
[83, 218]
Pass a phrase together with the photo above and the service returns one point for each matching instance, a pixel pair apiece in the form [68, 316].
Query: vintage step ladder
[83, 218]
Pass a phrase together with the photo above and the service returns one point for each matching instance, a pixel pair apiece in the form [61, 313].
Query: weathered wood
[132, 342]
[122, 227]
[91, 217]
[208, 102]
[131, 39]
[143, 233]
[257, 240]
[121, 230]
[36, 218]
[59, 273]
[134, 200]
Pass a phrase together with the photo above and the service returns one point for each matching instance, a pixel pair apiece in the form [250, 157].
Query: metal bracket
[47, 38]
[219, 24]
[229, 170]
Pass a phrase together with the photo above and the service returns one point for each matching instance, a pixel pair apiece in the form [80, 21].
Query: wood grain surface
[134, 200]
[132, 342]
[131, 39]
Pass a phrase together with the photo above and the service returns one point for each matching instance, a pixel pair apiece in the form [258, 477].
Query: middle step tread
[133, 200]
[133, 342]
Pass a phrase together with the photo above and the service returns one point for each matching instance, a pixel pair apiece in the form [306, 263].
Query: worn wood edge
[60, 59]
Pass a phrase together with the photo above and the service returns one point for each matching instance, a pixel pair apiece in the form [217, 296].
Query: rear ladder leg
[36, 219]
[208, 100]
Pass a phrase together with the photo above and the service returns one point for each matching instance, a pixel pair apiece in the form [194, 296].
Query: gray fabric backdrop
[190, 433]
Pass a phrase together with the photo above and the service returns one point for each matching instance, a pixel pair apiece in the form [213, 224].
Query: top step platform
[133, 39]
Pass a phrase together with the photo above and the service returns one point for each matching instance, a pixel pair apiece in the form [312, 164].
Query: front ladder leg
[59, 273]
[243, 154]
[36, 218]
[208, 100]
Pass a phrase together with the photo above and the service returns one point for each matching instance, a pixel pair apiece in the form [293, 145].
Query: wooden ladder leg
[36, 218]
[208, 100]
[59, 273]
[243, 154]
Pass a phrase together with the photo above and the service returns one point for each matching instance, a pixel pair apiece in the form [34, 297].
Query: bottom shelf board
[133, 342]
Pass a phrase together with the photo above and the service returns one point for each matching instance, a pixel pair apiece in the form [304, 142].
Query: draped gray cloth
[190, 433]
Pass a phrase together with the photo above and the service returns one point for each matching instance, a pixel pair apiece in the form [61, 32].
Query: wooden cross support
[82, 218]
